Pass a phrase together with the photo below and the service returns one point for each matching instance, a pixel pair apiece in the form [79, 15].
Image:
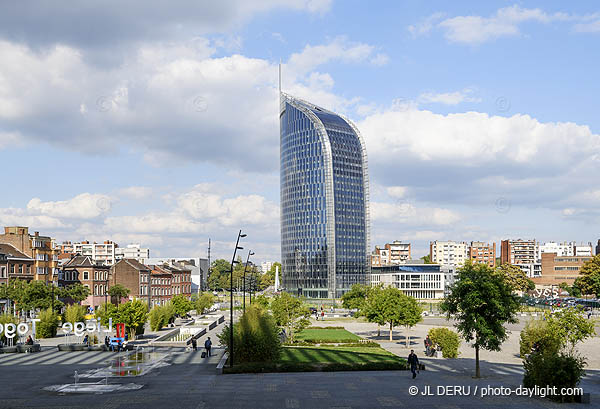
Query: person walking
[208, 345]
[413, 361]
[194, 344]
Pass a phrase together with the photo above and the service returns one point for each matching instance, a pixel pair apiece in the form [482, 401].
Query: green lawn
[327, 335]
[346, 355]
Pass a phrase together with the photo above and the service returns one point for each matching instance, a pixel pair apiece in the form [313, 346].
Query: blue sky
[158, 124]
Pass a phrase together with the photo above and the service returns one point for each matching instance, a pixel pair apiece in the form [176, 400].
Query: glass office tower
[324, 201]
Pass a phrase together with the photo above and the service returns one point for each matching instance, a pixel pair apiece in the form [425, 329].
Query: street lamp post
[233, 261]
[250, 253]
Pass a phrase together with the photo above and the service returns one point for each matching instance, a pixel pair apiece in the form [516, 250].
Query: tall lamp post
[250, 253]
[233, 261]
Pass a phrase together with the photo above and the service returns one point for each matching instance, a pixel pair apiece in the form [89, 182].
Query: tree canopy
[589, 276]
[291, 313]
[391, 306]
[515, 277]
[118, 291]
[482, 302]
[356, 297]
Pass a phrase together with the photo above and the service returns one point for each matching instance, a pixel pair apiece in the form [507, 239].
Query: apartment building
[132, 251]
[557, 269]
[40, 248]
[100, 253]
[519, 251]
[448, 253]
[483, 253]
[93, 275]
[416, 279]
[395, 252]
[560, 249]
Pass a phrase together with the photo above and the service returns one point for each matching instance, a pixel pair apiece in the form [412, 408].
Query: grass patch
[315, 334]
[326, 359]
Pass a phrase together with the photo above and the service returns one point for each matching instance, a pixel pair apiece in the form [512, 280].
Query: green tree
[204, 302]
[219, 275]
[6, 319]
[427, 259]
[589, 277]
[482, 302]
[515, 277]
[118, 291]
[106, 311]
[134, 315]
[261, 300]
[570, 326]
[356, 297]
[77, 292]
[373, 309]
[574, 290]
[181, 304]
[290, 312]
[391, 306]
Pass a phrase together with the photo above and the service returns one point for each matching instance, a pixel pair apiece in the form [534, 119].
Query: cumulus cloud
[167, 102]
[136, 192]
[83, 206]
[407, 213]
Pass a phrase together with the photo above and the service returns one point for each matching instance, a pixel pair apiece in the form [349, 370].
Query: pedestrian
[413, 361]
[589, 315]
[208, 345]
[86, 339]
[194, 344]
[322, 315]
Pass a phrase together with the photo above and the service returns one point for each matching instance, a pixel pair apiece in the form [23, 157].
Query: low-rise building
[418, 280]
[162, 285]
[14, 265]
[558, 269]
[133, 275]
[95, 276]
[483, 253]
[197, 266]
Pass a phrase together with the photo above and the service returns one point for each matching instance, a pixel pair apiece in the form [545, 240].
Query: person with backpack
[208, 345]
[413, 361]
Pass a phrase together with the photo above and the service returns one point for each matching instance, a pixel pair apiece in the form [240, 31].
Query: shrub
[7, 319]
[48, 324]
[553, 369]
[447, 339]
[537, 333]
[74, 313]
[256, 337]
[204, 302]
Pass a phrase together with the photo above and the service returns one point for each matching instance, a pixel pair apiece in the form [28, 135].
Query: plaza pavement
[191, 382]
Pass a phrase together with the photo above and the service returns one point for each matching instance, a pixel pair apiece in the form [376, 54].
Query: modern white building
[419, 280]
[448, 253]
[560, 249]
[134, 251]
[583, 249]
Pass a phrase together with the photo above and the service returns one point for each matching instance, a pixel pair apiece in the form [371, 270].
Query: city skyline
[479, 119]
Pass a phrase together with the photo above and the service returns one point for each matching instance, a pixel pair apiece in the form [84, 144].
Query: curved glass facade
[324, 201]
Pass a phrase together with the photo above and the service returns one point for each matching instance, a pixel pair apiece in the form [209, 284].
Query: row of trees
[37, 295]
[220, 279]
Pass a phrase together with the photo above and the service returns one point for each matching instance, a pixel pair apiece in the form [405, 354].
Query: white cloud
[406, 213]
[475, 29]
[472, 138]
[588, 27]
[449, 98]
[19, 217]
[397, 191]
[167, 102]
[380, 59]
[83, 206]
